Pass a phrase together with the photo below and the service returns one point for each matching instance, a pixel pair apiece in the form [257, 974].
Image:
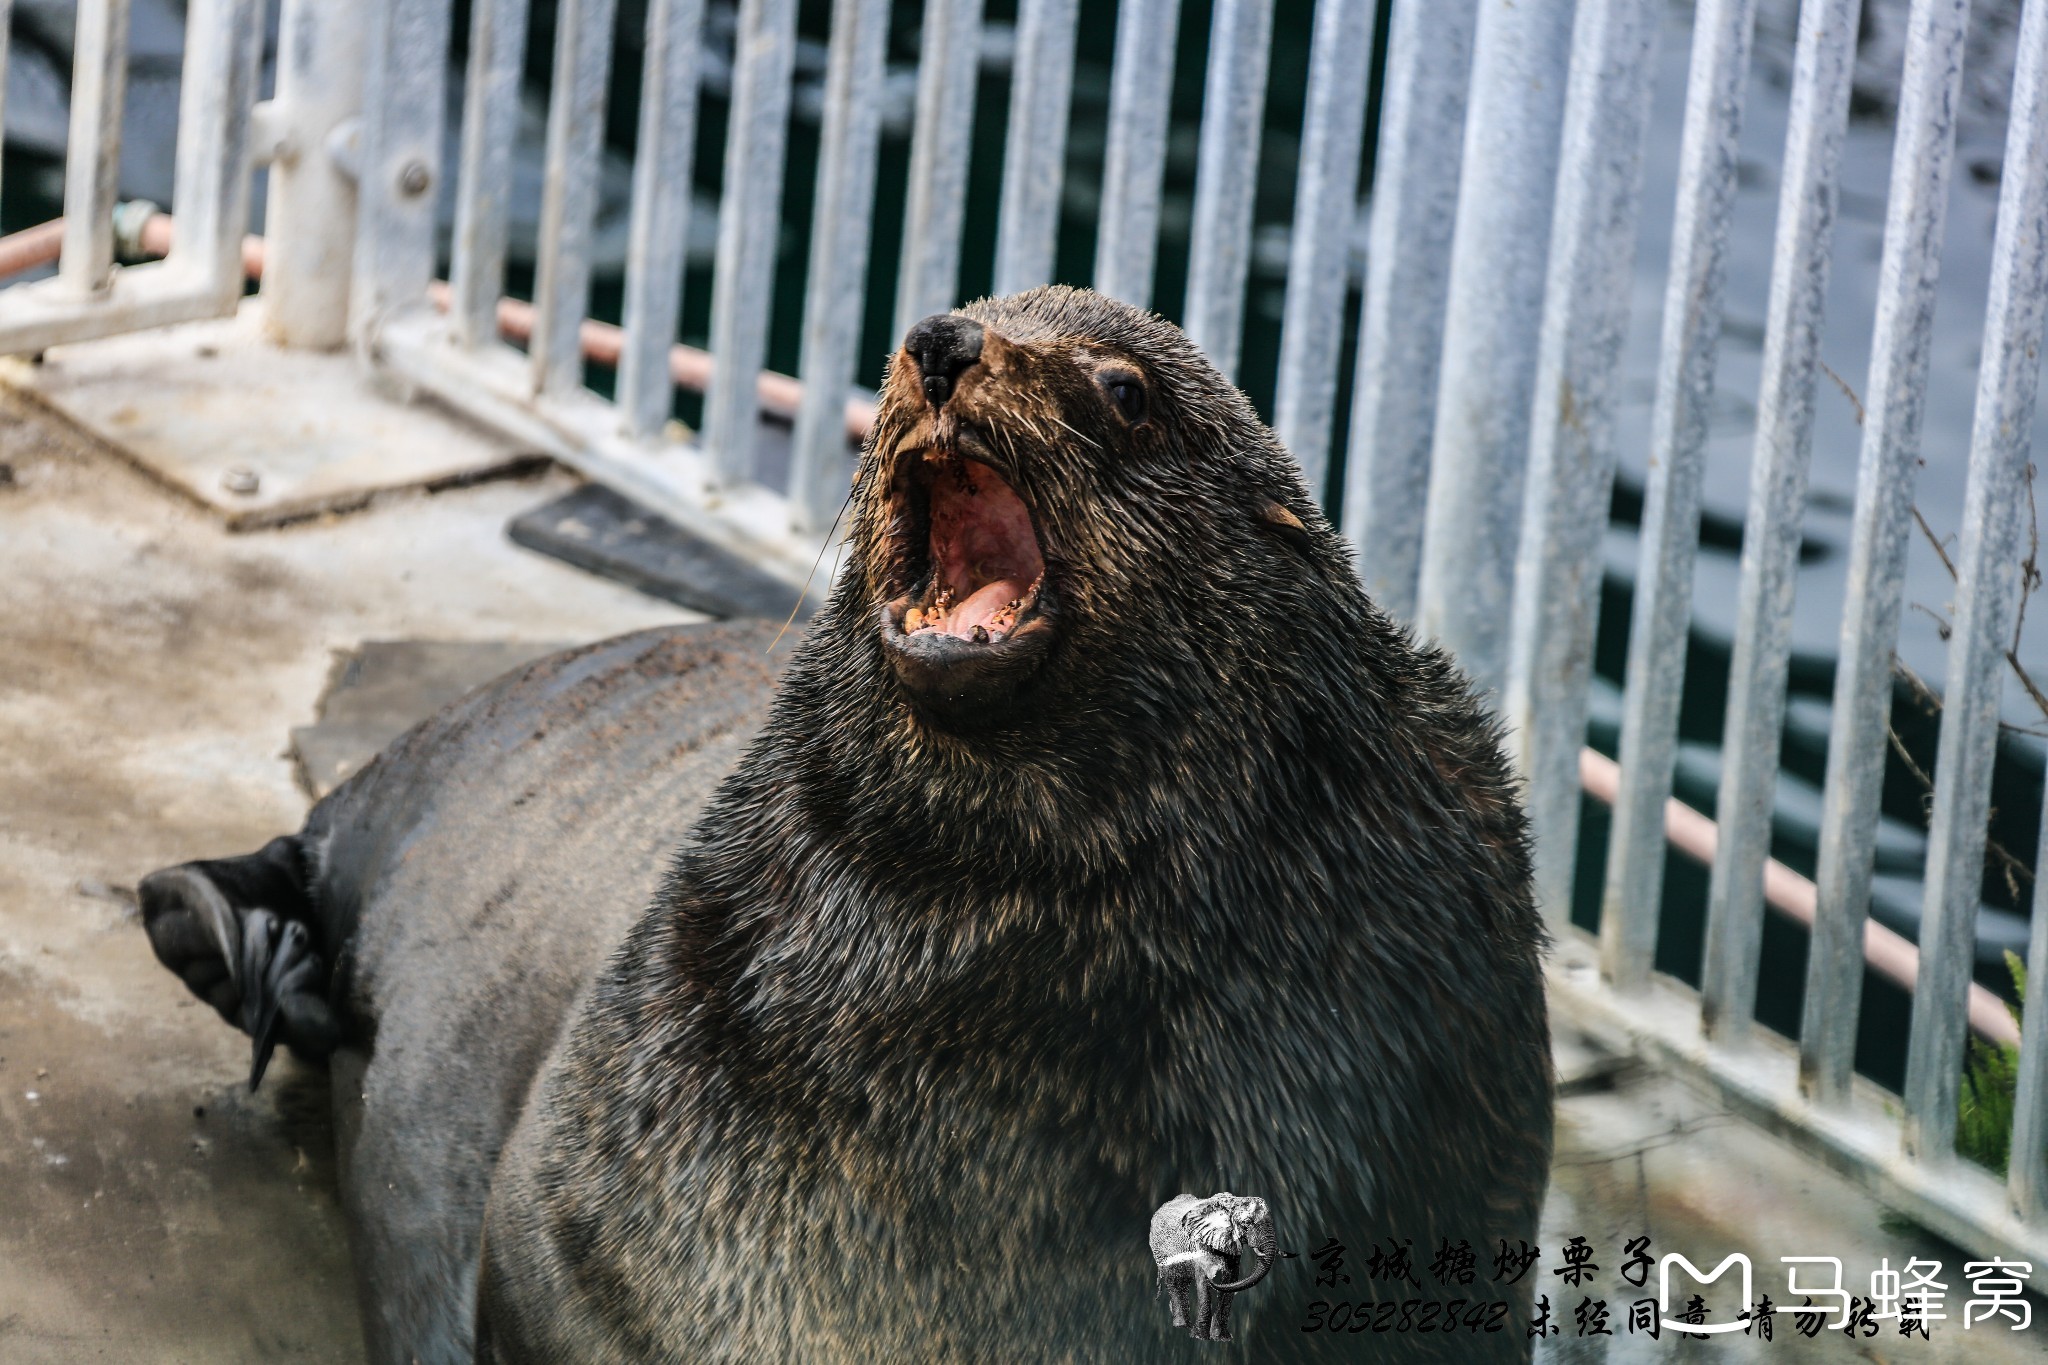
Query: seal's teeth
[1004, 618]
[981, 635]
[913, 620]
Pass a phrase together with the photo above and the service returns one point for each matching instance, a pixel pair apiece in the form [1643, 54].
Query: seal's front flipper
[234, 931]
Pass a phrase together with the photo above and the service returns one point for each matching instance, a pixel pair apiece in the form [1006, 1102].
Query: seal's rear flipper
[284, 990]
[234, 931]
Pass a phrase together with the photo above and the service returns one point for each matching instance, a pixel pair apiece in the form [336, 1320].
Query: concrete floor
[151, 667]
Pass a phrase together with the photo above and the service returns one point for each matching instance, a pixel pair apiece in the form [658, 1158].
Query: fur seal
[1101, 841]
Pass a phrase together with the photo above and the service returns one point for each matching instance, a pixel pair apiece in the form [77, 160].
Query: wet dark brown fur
[1207, 878]
[924, 1024]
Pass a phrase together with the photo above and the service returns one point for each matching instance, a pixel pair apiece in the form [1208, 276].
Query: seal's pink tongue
[984, 550]
[983, 607]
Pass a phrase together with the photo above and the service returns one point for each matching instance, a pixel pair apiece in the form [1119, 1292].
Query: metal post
[92, 161]
[490, 123]
[2013, 326]
[1571, 455]
[568, 210]
[6, 17]
[1473, 521]
[1325, 211]
[1035, 153]
[405, 55]
[661, 213]
[749, 221]
[1822, 65]
[1407, 279]
[1658, 626]
[949, 59]
[2027, 1169]
[1924, 148]
[1227, 178]
[836, 284]
[312, 209]
[1134, 163]
[215, 159]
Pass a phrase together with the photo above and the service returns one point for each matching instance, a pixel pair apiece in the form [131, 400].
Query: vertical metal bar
[949, 60]
[2027, 1169]
[483, 187]
[1407, 279]
[404, 103]
[310, 222]
[1990, 563]
[1134, 163]
[1473, 520]
[1988, 568]
[1227, 178]
[1035, 152]
[2012, 327]
[6, 17]
[92, 162]
[749, 221]
[1325, 208]
[661, 213]
[1571, 452]
[1924, 148]
[1707, 156]
[217, 90]
[845, 206]
[568, 210]
[1819, 111]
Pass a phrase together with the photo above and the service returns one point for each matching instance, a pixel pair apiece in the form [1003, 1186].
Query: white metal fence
[1481, 446]
[202, 277]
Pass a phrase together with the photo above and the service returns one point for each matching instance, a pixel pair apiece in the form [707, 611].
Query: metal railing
[1570, 459]
[1481, 448]
[216, 152]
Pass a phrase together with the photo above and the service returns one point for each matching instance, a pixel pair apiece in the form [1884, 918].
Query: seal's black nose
[943, 345]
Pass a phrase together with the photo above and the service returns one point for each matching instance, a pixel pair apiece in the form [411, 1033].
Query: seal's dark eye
[1126, 392]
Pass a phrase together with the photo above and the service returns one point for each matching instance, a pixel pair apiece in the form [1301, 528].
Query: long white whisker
[1078, 436]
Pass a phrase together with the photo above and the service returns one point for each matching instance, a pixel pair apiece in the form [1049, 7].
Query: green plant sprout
[1990, 1078]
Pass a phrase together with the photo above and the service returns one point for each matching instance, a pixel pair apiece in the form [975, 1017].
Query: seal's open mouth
[985, 564]
[968, 616]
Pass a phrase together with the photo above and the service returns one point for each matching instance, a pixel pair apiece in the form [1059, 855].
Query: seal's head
[1049, 474]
